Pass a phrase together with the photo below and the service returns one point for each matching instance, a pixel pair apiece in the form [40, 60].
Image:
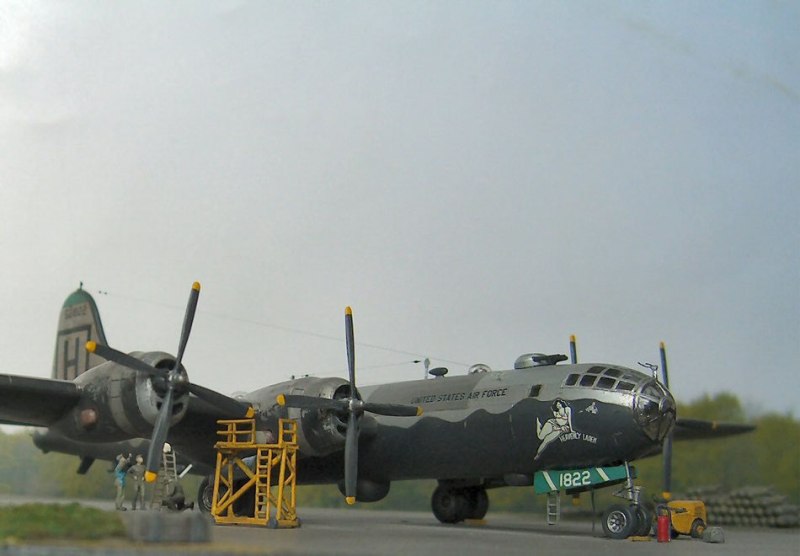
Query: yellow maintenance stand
[272, 476]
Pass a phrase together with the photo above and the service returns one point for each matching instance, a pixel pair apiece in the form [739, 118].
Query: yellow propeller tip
[150, 477]
[91, 346]
[419, 411]
[250, 412]
[281, 400]
[348, 311]
[196, 286]
[572, 338]
[350, 500]
[662, 345]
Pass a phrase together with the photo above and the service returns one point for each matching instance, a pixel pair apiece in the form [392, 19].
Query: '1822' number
[574, 479]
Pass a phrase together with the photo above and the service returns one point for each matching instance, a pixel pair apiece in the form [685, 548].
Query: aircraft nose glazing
[655, 410]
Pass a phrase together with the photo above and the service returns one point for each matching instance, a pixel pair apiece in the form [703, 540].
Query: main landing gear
[632, 518]
[452, 503]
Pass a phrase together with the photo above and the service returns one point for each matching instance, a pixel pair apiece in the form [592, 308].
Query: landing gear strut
[453, 504]
[620, 521]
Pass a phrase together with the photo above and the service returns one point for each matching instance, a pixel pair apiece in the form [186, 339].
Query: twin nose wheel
[621, 521]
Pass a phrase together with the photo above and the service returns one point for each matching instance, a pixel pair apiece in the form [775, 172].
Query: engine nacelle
[119, 403]
[320, 432]
[368, 491]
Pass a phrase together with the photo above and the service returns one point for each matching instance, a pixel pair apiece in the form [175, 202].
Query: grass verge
[58, 521]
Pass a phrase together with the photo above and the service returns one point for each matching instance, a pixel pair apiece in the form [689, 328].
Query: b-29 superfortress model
[473, 432]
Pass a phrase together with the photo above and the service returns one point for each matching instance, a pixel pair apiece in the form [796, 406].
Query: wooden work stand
[268, 477]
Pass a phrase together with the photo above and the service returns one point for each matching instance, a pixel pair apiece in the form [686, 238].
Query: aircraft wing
[697, 429]
[37, 402]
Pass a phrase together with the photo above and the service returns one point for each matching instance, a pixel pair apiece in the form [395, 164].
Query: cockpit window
[654, 411]
[651, 391]
[606, 382]
[611, 378]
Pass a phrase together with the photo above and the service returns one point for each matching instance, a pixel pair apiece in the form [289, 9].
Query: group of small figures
[173, 499]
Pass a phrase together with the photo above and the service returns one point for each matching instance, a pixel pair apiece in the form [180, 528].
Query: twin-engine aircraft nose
[655, 410]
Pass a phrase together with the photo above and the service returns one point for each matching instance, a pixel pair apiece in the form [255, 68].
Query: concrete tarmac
[366, 532]
[361, 531]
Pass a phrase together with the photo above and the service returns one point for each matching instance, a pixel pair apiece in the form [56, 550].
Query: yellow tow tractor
[688, 517]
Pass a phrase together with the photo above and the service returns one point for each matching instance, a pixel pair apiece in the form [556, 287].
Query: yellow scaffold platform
[268, 477]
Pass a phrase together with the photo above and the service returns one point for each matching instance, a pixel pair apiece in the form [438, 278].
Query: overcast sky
[477, 179]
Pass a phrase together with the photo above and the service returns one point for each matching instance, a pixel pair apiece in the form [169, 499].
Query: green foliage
[516, 499]
[25, 470]
[767, 456]
[721, 407]
[777, 451]
[57, 521]
[19, 459]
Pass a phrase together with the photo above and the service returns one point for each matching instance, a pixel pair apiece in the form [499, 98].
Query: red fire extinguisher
[662, 524]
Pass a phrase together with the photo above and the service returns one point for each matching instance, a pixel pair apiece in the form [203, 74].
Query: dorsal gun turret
[530, 360]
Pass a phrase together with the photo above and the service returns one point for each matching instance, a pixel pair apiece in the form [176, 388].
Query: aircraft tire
[698, 527]
[449, 504]
[205, 494]
[644, 518]
[477, 503]
[620, 521]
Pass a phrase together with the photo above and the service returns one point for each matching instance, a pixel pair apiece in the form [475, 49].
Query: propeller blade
[160, 431]
[226, 404]
[667, 448]
[312, 402]
[351, 459]
[351, 351]
[393, 410]
[188, 319]
[111, 354]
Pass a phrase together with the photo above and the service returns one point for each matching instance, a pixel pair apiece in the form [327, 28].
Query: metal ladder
[553, 507]
[263, 475]
[168, 471]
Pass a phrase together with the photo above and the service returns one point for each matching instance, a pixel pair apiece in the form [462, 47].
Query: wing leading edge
[697, 429]
[37, 402]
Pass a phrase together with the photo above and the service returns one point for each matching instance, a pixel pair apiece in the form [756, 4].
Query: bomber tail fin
[78, 323]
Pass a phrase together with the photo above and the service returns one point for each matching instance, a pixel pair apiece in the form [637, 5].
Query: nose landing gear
[633, 518]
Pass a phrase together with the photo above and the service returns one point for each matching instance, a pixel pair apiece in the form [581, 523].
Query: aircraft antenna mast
[426, 363]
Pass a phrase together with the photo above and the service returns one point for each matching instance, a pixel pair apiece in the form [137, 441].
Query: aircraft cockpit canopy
[607, 378]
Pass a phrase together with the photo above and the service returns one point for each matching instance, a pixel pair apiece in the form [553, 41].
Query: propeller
[667, 449]
[354, 406]
[172, 378]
